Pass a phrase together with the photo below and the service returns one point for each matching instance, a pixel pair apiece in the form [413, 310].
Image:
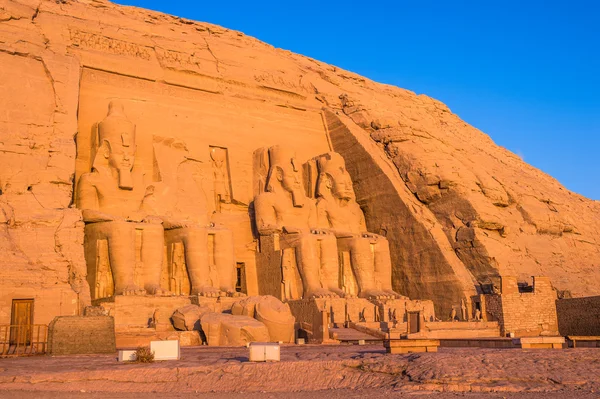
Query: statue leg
[195, 243]
[363, 265]
[225, 260]
[383, 266]
[330, 268]
[308, 264]
[121, 254]
[153, 244]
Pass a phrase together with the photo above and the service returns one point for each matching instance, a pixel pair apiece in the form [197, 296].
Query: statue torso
[114, 200]
[286, 213]
[342, 218]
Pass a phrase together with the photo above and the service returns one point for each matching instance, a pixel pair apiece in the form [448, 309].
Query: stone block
[187, 318]
[539, 342]
[277, 317]
[228, 330]
[411, 345]
[461, 330]
[189, 338]
[76, 335]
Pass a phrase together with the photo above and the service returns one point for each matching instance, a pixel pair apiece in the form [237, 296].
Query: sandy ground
[343, 371]
[333, 394]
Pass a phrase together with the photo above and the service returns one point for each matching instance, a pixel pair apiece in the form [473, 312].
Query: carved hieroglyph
[286, 213]
[338, 212]
[110, 197]
[222, 182]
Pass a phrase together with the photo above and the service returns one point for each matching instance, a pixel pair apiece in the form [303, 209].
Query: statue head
[285, 173]
[116, 136]
[333, 177]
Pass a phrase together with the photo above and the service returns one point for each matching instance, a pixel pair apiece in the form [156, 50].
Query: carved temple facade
[158, 205]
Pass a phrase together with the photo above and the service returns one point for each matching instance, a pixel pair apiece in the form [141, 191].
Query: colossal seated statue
[181, 203]
[110, 197]
[338, 212]
[285, 211]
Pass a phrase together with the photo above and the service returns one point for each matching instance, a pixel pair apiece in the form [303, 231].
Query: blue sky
[525, 72]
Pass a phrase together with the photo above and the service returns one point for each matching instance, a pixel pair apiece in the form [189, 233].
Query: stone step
[350, 334]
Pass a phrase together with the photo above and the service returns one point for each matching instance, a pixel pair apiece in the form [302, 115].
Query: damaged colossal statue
[180, 202]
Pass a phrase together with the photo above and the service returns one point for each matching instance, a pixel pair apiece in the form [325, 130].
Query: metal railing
[23, 340]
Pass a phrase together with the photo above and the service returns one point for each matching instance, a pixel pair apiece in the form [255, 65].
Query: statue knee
[329, 240]
[194, 235]
[383, 245]
[119, 229]
[361, 244]
[308, 239]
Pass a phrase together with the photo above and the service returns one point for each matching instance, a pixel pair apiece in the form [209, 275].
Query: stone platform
[317, 315]
[142, 337]
[460, 329]
[496, 343]
[431, 330]
[139, 310]
[586, 341]
[343, 310]
[411, 345]
[539, 342]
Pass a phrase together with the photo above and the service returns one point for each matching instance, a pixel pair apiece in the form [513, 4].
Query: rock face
[457, 210]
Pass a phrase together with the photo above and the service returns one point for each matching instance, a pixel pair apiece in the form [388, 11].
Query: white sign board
[257, 353]
[272, 353]
[127, 356]
[165, 350]
[264, 352]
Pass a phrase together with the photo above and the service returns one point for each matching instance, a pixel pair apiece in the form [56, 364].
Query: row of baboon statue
[136, 217]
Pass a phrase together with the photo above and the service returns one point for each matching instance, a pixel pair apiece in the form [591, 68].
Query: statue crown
[116, 128]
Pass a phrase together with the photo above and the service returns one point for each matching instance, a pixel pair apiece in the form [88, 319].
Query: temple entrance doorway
[21, 321]
[240, 284]
[414, 322]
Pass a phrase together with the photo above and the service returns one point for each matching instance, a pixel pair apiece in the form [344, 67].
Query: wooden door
[21, 321]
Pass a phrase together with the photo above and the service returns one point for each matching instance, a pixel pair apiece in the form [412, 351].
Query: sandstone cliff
[459, 210]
